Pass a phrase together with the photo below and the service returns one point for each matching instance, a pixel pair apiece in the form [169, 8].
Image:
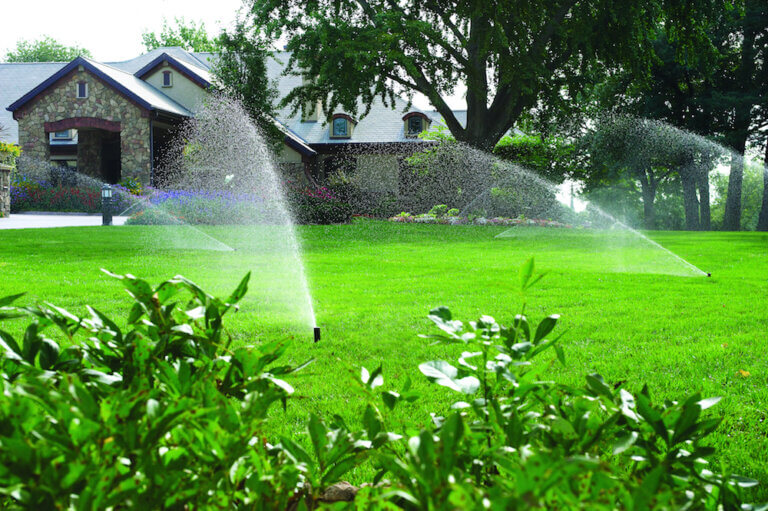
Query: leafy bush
[9, 153]
[167, 414]
[162, 414]
[318, 206]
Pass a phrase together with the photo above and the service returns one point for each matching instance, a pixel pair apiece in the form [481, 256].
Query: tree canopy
[512, 56]
[241, 72]
[46, 49]
[189, 35]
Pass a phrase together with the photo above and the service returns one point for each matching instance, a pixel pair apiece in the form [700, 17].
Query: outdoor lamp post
[106, 205]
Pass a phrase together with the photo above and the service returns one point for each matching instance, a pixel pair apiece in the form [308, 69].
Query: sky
[111, 30]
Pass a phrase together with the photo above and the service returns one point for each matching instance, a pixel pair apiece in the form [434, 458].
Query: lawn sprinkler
[317, 333]
[709, 274]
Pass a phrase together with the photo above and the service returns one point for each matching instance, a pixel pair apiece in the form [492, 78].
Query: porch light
[106, 205]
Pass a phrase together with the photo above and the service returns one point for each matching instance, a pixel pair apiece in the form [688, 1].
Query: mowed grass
[633, 313]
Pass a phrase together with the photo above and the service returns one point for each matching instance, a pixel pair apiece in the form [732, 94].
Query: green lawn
[632, 312]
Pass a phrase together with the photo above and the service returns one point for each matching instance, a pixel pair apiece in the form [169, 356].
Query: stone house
[114, 120]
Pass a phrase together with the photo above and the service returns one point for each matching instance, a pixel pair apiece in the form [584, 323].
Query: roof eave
[79, 61]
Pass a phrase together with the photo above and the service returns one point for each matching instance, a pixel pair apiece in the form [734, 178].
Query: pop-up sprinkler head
[709, 274]
[317, 333]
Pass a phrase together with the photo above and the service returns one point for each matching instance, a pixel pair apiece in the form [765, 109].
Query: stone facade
[60, 102]
[5, 191]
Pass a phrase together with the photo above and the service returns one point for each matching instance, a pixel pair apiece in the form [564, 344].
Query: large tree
[46, 49]
[241, 72]
[745, 44]
[679, 92]
[189, 35]
[512, 56]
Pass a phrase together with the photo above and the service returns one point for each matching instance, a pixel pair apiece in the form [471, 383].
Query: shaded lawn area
[630, 313]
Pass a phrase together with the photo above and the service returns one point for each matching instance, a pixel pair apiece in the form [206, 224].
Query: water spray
[317, 333]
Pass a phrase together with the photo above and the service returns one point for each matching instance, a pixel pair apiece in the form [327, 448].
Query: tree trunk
[690, 200]
[742, 119]
[762, 220]
[702, 183]
[649, 208]
[732, 218]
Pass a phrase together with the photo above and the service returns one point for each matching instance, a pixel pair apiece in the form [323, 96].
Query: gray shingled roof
[16, 79]
[382, 124]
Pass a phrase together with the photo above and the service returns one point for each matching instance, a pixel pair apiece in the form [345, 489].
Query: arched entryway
[98, 145]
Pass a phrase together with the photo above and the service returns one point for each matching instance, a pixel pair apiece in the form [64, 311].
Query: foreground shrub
[167, 414]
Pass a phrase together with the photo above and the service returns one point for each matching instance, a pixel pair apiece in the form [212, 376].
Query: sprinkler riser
[317, 333]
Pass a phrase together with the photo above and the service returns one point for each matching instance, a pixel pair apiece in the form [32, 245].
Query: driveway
[44, 220]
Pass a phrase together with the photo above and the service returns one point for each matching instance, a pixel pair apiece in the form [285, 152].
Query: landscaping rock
[340, 492]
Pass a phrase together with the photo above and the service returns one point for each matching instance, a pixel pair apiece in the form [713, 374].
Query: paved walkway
[43, 220]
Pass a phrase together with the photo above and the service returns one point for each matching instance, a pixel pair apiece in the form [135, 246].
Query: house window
[340, 127]
[167, 79]
[415, 125]
[82, 90]
[63, 135]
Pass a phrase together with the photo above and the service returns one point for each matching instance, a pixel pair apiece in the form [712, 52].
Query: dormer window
[82, 90]
[415, 123]
[342, 126]
[167, 79]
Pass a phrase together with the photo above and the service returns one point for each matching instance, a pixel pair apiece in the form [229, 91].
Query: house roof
[198, 75]
[127, 84]
[16, 79]
[383, 124]
[198, 60]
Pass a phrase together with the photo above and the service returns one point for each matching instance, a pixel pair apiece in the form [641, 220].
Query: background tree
[741, 84]
[241, 72]
[187, 34]
[46, 49]
[512, 56]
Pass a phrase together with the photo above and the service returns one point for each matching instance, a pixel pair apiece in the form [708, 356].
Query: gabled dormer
[415, 123]
[342, 126]
[184, 83]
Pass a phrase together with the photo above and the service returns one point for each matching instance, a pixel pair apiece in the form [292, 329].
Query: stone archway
[98, 145]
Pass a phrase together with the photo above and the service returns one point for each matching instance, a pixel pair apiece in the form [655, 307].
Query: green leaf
[49, 353]
[445, 374]
[295, 450]
[240, 291]
[624, 442]
[646, 411]
[339, 469]
[8, 343]
[545, 327]
[317, 434]
[390, 398]
[560, 354]
[598, 386]
[450, 436]
[526, 271]
[7, 300]
[441, 312]
[32, 343]
[709, 402]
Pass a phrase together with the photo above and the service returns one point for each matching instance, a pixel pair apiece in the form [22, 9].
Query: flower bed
[38, 195]
[428, 218]
[309, 205]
